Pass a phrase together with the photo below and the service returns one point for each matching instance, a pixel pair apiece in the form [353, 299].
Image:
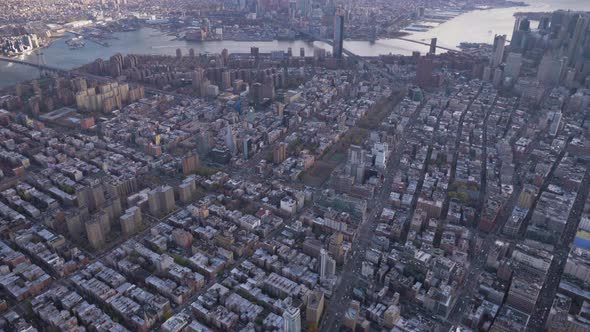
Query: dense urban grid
[287, 191]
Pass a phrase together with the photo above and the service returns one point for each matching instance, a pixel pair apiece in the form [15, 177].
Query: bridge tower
[433, 46]
[373, 31]
[40, 61]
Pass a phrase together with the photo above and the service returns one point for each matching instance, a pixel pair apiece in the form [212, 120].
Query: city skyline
[294, 183]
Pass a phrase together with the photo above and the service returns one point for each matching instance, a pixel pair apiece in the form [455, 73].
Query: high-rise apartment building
[291, 320]
[338, 33]
[498, 51]
[161, 200]
[513, 65]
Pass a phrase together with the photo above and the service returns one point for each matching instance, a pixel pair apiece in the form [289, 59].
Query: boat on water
[466, 45]
[76, 43]
[416, 29]
[77, 46]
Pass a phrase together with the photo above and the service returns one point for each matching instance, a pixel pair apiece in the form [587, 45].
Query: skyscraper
[425, 72]
[161, 200]
[498, 51]
[305, 7]
[315, 307]
[575, 48]
[131, 220]
[551, 69]
[190, 163]
[520, 33]
[246, 147]
[230, 139]
[291, 320]
[433, 46]
[521, 23]
[292, 9]
[254, 51]
[260, 8]
[323, 262]
[338, 33]
[327, 265]
[94, 233]
[513, 65]
[197, 77]
[280, 153]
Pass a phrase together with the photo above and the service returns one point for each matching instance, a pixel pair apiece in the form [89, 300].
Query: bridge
[354, 56]
[427, 44]
[35, 65]
[346, 52]
[76, 73]
[330, 42]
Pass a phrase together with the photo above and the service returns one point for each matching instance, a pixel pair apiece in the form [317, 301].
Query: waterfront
[143, 41]
[483, 24]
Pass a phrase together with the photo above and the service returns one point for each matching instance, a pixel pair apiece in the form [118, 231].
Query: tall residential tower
[498, 52]
[338, 33]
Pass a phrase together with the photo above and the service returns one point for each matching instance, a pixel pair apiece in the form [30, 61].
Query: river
[475, 26]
